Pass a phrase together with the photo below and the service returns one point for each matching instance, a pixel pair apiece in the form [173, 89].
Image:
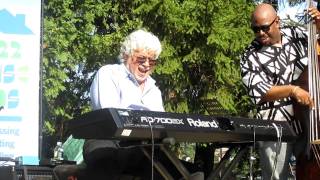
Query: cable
[252, 158]
[152, 149]
[278, 148]
[254, 136]
[277, 130]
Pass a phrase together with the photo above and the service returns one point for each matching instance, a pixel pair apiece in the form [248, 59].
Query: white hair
[140, 39]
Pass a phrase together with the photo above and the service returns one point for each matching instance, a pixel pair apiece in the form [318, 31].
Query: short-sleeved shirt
[114, 86]
[265, 66]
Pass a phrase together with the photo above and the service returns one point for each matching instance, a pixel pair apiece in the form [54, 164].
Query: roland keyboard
[125, 124]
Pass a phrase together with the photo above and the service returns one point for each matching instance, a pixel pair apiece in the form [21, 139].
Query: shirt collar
[128, 74]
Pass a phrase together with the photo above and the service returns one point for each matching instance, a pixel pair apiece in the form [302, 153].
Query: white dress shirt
[114, 86]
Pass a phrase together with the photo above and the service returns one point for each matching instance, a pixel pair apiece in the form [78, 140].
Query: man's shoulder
[253, 47]
[294, 31]
[292, 28]
[112, 69]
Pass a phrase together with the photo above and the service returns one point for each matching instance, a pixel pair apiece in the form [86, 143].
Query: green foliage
[79, 37]
[202, 42]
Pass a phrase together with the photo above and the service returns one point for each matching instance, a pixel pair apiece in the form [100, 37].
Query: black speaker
[33, 173]
[6, 172]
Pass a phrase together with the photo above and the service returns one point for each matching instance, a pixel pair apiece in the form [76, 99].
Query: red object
[72, 178]
[307, 169]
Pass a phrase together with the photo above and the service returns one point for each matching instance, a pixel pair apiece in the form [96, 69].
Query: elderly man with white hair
[125, 85]
[129, 83]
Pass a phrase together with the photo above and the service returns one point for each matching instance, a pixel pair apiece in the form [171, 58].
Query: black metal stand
[176, 162]
[222, 171]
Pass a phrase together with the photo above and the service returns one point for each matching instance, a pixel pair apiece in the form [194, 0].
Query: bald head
[266, 24]
[263, 11]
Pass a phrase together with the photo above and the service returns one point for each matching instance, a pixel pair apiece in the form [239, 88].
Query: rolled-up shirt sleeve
[255, 80]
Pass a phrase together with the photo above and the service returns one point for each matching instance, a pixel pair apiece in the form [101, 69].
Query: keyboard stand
[222, 170]
[158, 165]
[174, 160]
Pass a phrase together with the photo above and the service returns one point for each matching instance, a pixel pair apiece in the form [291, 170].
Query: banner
[20, 78]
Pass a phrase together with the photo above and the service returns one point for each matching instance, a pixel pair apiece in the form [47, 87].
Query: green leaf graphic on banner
[22, 71]
[2, 98]
[3, 50]
[16, 46]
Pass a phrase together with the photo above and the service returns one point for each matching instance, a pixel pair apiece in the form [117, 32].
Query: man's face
[267, 30]
[141, 63]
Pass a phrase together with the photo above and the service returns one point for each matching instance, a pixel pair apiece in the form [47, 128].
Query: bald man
[270, 65]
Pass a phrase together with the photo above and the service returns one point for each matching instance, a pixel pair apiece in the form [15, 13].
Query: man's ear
[278, 20]
[125, 57]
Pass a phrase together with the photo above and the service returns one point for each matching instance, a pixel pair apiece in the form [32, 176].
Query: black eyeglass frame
[142, 59]
[264, 28]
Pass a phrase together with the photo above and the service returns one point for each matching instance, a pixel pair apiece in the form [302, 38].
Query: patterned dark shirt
[265, 66]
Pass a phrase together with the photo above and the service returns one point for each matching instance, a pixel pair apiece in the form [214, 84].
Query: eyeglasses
[264, 28]
[142, 59]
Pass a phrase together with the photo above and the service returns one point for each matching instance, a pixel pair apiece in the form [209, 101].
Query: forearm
[279, 92]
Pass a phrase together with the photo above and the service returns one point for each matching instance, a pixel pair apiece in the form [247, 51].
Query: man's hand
[315, 14]
[302, 96]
